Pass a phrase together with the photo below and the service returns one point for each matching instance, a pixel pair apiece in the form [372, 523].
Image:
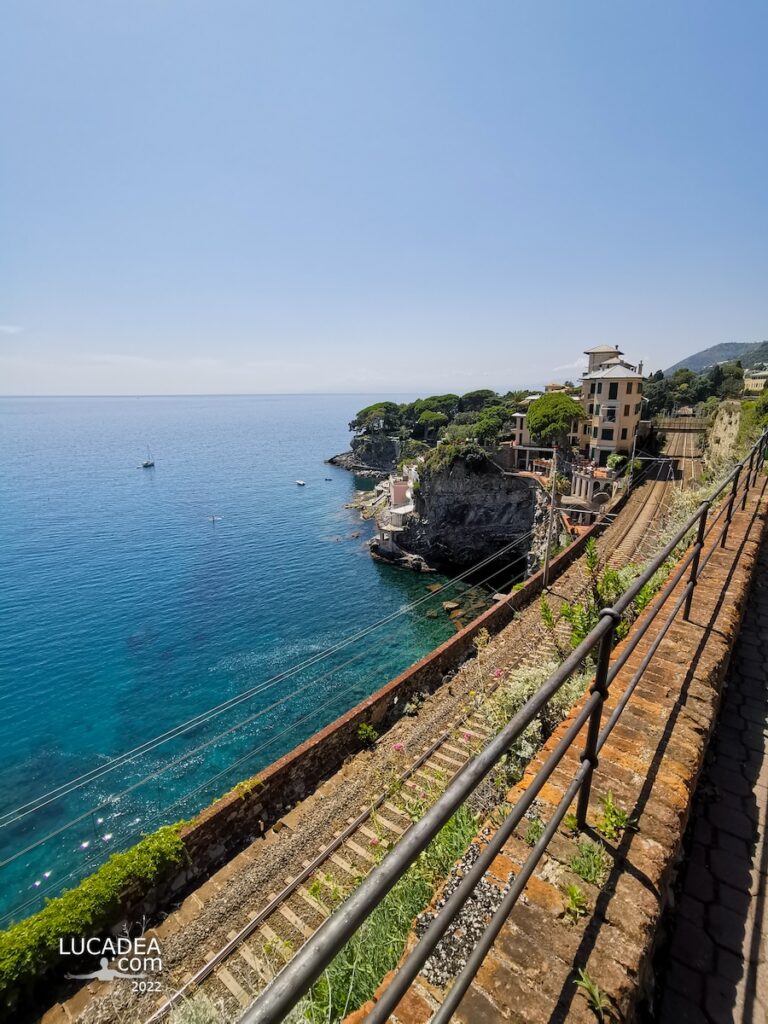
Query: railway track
[640, 520]
[263, 939]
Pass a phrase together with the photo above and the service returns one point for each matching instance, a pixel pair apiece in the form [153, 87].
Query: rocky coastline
[350, 462]
[373, 454]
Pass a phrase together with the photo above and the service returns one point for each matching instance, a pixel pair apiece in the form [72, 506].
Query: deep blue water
[125, 611]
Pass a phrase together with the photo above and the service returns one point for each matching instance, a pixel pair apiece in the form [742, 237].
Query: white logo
[134, 958]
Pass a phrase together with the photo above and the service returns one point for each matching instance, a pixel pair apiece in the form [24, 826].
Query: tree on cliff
[491, 423]
[382, 417]
[431, 422]
[549, 418]
[474, 401]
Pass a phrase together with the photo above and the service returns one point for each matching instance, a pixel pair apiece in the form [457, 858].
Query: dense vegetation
[482, 416]
[702, 391]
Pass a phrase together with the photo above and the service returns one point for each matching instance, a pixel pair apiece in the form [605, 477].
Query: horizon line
[243, 394]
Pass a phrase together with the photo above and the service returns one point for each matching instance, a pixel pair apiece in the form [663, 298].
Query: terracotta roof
[602, 348]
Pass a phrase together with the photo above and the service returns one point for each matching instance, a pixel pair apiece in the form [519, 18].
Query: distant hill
[749, 352]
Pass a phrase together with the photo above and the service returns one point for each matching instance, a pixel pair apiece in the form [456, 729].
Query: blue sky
[416, 195]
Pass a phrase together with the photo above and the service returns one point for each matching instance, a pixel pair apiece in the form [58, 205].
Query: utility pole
[553, 499]
[632, 462]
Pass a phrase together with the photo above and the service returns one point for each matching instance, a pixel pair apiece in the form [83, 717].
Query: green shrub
[30, 948]
[367, 735]
[444, 456]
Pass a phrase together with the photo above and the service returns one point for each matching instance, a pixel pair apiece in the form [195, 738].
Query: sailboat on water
[149, 462]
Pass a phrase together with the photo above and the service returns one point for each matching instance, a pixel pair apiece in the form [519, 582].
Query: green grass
[354, 975]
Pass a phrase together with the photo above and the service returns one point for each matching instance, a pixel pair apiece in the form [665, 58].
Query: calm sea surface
[124, 611]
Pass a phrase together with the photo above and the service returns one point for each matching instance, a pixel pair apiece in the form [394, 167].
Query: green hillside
[749, 353]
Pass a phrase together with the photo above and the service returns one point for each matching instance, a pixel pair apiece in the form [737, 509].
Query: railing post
[600, 686]
[696, 556]
[747, 483]
[729, 513]
[760, 457]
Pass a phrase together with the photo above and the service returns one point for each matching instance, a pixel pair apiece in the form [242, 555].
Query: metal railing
[289, 986]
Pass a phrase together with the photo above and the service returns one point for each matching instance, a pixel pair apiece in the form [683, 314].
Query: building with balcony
[611, 394]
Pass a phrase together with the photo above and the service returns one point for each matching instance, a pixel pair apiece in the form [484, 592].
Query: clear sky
[375, 195]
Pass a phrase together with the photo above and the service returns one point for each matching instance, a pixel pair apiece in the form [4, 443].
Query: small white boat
[301, 483]
[149, 462]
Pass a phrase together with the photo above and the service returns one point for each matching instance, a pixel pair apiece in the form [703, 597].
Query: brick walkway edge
[651, 764]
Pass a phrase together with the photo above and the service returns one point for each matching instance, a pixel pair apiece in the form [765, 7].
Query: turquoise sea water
[125, 611]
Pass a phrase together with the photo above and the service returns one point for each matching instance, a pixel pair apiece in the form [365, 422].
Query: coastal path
[717, 956]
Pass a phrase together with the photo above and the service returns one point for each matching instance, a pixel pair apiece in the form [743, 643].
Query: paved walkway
[718, 966]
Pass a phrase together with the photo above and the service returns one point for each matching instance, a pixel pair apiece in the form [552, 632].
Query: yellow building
[755, 382]
[611, 394]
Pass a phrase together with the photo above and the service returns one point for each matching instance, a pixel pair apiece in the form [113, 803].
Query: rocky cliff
[466, 511]
[721, 439]
[374, 452]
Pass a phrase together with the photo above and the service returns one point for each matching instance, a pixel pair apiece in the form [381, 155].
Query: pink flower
[375, 842]
[466, 736]
[398, 747]
[498, 672]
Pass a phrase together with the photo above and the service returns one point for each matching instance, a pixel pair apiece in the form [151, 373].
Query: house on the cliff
[393, 519]
[611, 394]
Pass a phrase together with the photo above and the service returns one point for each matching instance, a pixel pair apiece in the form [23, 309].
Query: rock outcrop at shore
[370, 453]
[466, 511]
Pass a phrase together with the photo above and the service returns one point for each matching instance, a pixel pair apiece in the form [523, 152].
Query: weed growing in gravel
[355, 973]
[595, 996]
[315, 889]
[591, 862]
[199, 1009]
[514, 691]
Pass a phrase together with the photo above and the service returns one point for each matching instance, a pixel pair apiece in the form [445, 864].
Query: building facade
[754, 382]
[611, 394]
